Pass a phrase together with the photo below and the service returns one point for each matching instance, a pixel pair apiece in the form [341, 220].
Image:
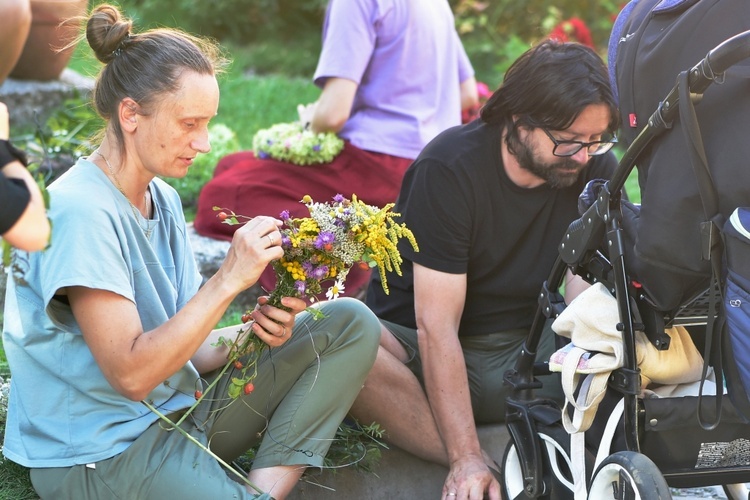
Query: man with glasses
[488, 203]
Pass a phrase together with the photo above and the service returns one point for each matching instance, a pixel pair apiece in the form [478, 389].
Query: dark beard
[555, 174]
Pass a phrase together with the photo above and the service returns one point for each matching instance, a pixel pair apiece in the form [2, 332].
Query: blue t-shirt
[62, 411]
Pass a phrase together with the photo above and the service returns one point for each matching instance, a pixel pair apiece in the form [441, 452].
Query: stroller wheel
[628, 475]
[556, 467]
[736, 491]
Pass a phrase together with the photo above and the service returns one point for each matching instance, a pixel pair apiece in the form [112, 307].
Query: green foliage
[495, 32]
[84, 62]
[249, 104]
[356, 445]
[233, 316]
[66, 136]
[532, 20]
[237, 20]
[292, 57]
[14, 480]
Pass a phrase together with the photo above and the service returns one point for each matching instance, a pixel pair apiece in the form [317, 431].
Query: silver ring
[283, 331]
[270, 238]
[451, 494]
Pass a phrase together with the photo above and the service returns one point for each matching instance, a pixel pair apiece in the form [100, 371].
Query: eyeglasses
[569, 148]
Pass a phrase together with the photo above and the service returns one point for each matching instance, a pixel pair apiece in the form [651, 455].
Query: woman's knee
[354, 320]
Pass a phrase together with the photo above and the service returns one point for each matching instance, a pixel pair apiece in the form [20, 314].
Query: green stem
[200, 445]
[203, 395]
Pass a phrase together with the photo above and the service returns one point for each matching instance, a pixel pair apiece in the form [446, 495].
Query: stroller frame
[579, 251]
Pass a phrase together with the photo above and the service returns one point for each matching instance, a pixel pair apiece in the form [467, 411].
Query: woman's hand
[306, 113]
[273, 325]
[254, 246]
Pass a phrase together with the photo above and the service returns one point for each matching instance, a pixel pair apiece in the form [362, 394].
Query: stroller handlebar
[723, 56]
[709, 70]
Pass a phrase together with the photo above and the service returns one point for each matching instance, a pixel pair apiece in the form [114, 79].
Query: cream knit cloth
[596, 348]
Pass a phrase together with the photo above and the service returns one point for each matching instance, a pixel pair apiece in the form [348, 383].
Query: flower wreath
[291, 142]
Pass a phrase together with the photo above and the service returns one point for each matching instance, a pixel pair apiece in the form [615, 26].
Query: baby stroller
[656, 443]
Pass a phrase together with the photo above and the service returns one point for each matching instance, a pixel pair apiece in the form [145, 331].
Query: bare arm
[135, 361]
[469, 94]
[574, 285]
[32, 230]
[334, 106]
[439, 303]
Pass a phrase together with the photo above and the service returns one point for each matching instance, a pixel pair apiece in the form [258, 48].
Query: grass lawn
[249, 101]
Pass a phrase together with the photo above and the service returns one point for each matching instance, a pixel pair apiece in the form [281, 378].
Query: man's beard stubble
[560, 174]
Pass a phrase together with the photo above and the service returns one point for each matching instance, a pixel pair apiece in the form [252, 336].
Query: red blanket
[252, 186]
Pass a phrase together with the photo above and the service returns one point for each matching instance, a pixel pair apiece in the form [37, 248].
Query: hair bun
[107, 31]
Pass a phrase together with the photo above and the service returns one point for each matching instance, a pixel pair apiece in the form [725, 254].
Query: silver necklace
[136, 213]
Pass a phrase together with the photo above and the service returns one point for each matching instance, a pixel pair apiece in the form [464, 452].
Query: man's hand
[470, 479]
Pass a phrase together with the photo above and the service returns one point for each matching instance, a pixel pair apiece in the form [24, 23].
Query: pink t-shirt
[408, 62]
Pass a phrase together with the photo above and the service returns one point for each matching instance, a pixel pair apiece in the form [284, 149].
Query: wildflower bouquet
[293, 143]
[320, 249]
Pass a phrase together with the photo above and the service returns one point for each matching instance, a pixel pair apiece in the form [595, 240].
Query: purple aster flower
[263, 155]
[300, 286]
[284, 215]
[339, 198]
[323, 239]
[286, 241]
[320, 272]
[307, 267]
[316, 147]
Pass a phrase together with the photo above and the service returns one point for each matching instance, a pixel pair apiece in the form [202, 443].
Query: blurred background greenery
[274, 46]
[283, 36]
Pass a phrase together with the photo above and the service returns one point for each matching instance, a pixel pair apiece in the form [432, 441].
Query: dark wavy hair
[548, 87]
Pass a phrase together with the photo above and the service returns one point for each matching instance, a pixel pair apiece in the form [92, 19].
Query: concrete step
[398, 475]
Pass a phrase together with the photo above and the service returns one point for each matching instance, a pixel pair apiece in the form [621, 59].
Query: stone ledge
[30, 102]
[398, 476]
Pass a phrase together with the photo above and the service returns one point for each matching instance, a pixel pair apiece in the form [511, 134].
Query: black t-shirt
[469, 217]
[14, 197]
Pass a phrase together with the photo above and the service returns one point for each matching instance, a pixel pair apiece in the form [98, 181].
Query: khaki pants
[487, 358]
[303, 391]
